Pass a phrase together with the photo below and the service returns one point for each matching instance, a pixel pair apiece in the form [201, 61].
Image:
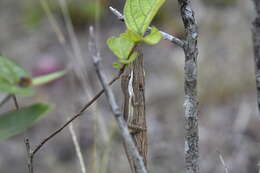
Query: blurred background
[46, 36]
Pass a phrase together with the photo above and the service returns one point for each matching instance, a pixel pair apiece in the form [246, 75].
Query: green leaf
[139, 14]
[5, 87]
[40, 80]
[15, 122]
[120, 46]
[117, 65]
[131, 36]
[131, 58]
[154, 37]
[12, 78]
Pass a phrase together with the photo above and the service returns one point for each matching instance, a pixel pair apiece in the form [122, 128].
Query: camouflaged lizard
[132, 84]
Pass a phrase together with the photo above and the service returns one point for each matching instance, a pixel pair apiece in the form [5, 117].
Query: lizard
[132, 84]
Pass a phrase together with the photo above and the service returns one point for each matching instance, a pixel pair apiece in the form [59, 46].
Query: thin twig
[130, 145]
[76, 60]
[165, 35]
[5, 99]
[29, 155]
[190, 87]
[78, 114]
[15, 102]
[77, 147]
[222, 161]
[75, 116]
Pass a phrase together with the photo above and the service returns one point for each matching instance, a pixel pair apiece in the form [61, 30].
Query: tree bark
[190, 87]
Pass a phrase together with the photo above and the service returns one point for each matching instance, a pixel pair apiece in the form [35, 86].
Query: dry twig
[190, 87]
[130, 145]
[29, 155]
[93, 100]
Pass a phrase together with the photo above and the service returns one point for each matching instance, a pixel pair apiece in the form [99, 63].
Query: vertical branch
[29, 155]
[256, 43]
[123, 129]
[190, 87]
[133, 85]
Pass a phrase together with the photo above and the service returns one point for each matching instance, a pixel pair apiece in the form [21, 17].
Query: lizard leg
[135, 128]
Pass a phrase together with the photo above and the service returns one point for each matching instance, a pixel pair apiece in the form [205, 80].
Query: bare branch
[77, 52]
[29, 155]
[130, 145]
[190, 87]
[93, 100]
[165, 35]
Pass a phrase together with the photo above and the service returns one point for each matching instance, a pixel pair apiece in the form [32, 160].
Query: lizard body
[132, 84]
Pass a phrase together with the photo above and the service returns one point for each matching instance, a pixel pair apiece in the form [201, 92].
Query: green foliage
[15, 80]
[12, 123]
[121, 46]
[154, 37]
[131, 36]
[41, 80]
[138, 16]
[12, 78]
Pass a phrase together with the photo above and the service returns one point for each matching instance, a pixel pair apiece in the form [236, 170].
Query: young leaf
[154, 37]
[11, 75]
[15, 122]
[120, 46]
[131, 36]
[139, 14]
[131, 59]
[40, 80]
[117, 65]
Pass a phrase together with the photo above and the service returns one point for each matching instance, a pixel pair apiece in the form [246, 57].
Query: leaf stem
[17, 107]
